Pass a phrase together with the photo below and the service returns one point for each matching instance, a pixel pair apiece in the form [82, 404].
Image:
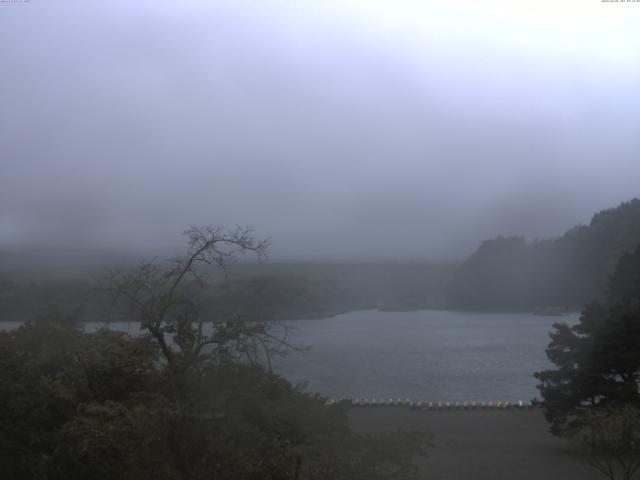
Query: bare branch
[162, 303]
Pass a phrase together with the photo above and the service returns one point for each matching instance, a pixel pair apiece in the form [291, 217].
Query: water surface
[431, 355]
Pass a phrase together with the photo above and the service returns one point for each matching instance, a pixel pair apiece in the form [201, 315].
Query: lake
[425, 355]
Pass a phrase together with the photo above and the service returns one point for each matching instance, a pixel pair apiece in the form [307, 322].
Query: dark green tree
[597, 360]
[609, 441]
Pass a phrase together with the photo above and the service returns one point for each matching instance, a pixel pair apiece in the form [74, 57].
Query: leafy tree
[186, 399]
[597, 360]
[609, 441]
[49, 369]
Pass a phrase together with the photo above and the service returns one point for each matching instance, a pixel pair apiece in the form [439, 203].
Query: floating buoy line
[435, 406]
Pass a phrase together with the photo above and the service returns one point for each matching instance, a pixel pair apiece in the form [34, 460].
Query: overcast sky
[363, 129]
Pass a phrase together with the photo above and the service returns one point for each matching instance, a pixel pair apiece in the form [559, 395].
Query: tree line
[179, 401]
[511, 273]
[592, 396]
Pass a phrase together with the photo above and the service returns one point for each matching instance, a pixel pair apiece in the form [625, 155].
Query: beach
[481, 444]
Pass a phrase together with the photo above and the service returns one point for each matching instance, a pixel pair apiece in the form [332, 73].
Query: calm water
[430, 355]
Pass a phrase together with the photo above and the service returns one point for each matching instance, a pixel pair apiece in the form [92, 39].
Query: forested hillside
[511, 273]
[260, 291]
[504, 273]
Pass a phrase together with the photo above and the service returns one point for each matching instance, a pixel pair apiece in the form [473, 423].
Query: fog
[342, 130]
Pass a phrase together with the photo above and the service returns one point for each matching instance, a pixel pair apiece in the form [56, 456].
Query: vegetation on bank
[175, 402]
[592, 395]
[106, 405]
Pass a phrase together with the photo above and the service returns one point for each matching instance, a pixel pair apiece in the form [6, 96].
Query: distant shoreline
[323, 316]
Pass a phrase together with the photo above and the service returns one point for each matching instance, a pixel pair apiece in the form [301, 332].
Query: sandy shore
[481, 444]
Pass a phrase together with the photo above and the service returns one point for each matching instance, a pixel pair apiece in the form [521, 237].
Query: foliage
[609, 441]
[509, 273]
[179, 401]
[597, 360]
[49, 369]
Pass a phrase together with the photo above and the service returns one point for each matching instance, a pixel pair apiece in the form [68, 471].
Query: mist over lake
[218, 216]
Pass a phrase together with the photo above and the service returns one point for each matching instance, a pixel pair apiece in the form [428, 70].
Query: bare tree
[165, 298]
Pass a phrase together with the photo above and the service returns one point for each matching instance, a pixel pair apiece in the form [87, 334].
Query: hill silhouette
[511, 273]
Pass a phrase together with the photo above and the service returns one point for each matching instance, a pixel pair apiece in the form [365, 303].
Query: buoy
[430, 405]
